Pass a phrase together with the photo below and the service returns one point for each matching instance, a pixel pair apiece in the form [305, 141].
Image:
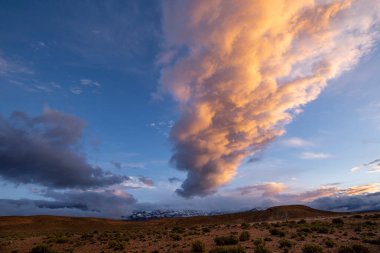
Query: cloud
[241, 72]
[46, 150]
[355, 169]
[138, 182]
[88, 82]
[372, 167]
[76, 90]
[105, 203]
[362, 189]
[364, 202]
[147, 181]
[314, 156]
[11, 67]
[173, 180]
[315, 194]
[267, 189]
[119, 165]
[296, 142]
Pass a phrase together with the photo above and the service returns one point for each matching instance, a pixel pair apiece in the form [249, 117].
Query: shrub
[337, 221]
[303, 221]
[360, 248]
[244, 225]
[345, 249]
[42, 249]
[176, 237]
[244, 236]
[285, 243]
[178, 230]
[312, 248]
[198, 246]
[372, 241]
[259, 242]
[329, 243]
[226, 240]
[276, 232]
[206, 230]
[236, 249]
[261, 249]
[116, 245]
[61, 240]
[320, 229]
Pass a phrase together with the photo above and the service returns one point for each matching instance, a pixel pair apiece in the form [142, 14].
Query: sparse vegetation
[312, 248]
[42, 249]
[309, 235]
[198, 246]
[276, 232]
[337, 221]
[236, 249]
[244, 236]
[226, 240]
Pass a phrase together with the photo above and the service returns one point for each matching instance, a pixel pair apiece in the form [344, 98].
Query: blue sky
[99, 61]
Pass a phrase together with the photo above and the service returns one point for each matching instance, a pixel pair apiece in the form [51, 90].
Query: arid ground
[277, 229]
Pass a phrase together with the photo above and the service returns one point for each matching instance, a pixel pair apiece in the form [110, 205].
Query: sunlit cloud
[268, 189]
[240, 74]
[362, 189]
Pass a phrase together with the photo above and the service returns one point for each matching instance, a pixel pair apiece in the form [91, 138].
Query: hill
[291, 227]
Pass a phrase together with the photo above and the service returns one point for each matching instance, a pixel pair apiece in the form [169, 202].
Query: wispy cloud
[162, 127]
[76, 90]
[371, 167]
[10, 67]
[314, 155]
[296, 142]
[88, 82]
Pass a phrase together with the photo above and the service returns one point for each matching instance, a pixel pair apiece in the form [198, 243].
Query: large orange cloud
[241, 70]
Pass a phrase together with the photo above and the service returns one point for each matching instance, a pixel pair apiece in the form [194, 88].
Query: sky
[112, 106]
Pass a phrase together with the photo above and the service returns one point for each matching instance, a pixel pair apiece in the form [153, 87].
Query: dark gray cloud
[173, 180]
[363, 202]
[105, 203]
[46, 150]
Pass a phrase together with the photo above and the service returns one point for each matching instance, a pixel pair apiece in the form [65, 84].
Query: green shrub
[261, 249]
[226, 240]
[312, 248]
[236, 249]
[42, 249]
[337, 221]
[178, 230]
[259, 242]
[244, 236]
[360, 248]
[345, 249]
[176, 237]
[276, 232]
[244, 225]
[61, 240]
[372, 241]
[285, 243]
[329, 242]
[206, 230]
[198, 246]
[116, 245]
